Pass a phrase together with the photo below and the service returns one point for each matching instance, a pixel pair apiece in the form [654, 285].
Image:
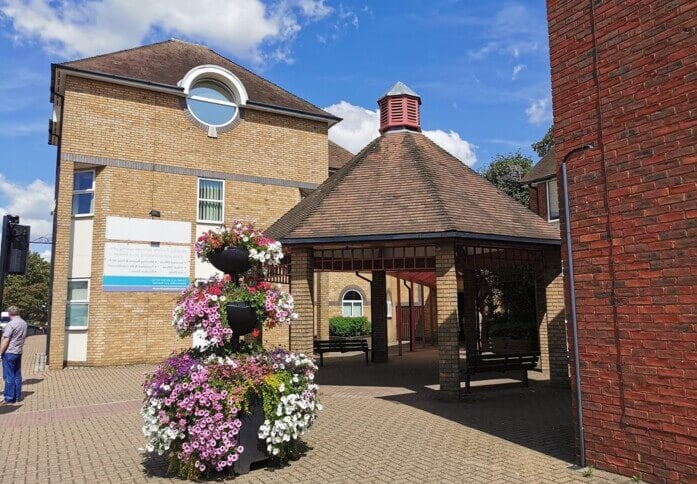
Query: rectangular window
[83, 193]
[210, 200]
[352, 309]
[552, 200]
[78, 304]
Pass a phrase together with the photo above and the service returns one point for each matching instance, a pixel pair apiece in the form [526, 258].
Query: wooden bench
[340, 346]
[502, 363]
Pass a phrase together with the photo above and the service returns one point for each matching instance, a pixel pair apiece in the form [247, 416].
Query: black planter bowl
[231, 261]
[240, 317]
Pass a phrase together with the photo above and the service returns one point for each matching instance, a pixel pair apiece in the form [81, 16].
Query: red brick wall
[538, 200]
[634, 225]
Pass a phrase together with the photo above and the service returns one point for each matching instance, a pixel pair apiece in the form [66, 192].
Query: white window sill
[83, 215]
[76, 328]
[209, 222]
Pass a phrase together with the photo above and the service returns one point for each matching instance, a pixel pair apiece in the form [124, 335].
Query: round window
[212, 103]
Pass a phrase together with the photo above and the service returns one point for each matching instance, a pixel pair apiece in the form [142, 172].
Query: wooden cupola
[399, 109]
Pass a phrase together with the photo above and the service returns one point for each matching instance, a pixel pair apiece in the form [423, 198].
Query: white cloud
[360, 126]
[452, 143]
[513, 31]
[517, 69]
[33, 204]
[45, 255]
[539, 111]
[249, 29]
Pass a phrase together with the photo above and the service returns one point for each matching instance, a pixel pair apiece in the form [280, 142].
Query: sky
[481, 69]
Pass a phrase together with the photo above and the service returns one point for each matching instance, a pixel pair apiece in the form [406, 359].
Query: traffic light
[15, 246]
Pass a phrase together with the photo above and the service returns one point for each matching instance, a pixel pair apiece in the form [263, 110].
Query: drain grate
[39, 362]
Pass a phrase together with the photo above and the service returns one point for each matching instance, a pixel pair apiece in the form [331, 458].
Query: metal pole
[3, 255]
[572, 302]
[398, 315]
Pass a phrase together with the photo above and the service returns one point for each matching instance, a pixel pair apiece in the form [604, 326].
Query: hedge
[345, 327]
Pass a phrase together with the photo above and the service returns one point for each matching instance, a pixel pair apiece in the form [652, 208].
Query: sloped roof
[338, 156]
[400, 88]
[167, 62]
[402, 183]
[544, 169]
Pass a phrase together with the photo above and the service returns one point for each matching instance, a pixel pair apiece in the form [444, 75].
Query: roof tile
[403, 183]
[167, 62]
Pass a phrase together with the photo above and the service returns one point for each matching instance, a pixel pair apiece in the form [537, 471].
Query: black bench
[322, 346]
[502, 363]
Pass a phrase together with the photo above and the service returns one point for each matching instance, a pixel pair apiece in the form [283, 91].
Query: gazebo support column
[557, 363]
[448, 344]
[301, 277]
[378, 316]
[469, 316]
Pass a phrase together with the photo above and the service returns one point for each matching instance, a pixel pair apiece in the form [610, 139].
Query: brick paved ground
[381, 423]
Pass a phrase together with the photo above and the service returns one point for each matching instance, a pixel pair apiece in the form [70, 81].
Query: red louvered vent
[399, 109]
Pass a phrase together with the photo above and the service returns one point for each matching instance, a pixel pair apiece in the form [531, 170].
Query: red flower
[227, 278]
[256, 332]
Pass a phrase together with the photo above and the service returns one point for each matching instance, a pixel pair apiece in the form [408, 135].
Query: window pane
[77, 290]
[210, 189]
[83, 180]
[357, 309]
[211, 113]
[83, 204]
[210, 211]
[346, 309]
[211, 90]
[553, 199]
[76, 314]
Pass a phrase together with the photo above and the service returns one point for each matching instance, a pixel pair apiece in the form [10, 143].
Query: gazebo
[404, 205]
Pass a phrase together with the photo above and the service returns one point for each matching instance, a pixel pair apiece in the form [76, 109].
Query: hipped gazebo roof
[403, 186]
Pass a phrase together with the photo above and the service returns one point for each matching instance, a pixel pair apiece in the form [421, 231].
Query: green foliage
[588, 471]
[344, 326]
[505, 171]
[29, 292]
[543, 146]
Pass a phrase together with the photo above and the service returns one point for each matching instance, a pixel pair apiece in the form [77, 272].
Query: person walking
[11, 347]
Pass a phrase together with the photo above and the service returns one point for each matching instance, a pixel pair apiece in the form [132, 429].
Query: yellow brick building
[155, 145]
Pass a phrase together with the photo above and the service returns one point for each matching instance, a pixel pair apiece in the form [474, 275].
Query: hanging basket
[233, 260]
[241, 318]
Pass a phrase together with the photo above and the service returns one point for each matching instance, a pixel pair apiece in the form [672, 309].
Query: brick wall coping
[177, 170]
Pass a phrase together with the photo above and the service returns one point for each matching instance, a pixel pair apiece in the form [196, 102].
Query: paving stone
[381, 423]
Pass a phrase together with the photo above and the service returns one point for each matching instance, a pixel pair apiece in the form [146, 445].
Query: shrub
[343, 326]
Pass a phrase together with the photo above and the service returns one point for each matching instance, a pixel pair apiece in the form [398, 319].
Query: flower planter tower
[222, 406]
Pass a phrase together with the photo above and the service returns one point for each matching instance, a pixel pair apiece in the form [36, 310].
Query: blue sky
[481, 68]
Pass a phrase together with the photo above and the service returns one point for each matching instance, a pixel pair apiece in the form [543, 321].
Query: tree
[29, 292]
[543, 146]
[505, 171]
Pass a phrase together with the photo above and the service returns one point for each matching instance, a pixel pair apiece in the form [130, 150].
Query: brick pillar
[61, 266]
[469, 313]
[301, 278]
[448, 344]
[554, 356]
[322, 302]
[378, 317]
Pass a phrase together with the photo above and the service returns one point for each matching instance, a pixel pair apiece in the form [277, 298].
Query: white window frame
[199, 200]
[547, 191]
[210, 100]
[352, 302]
[83, 192]
[79, 301]
[389, 306]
